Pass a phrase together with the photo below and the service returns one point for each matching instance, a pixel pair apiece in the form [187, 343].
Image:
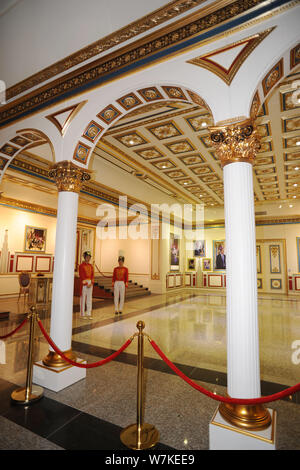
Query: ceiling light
[295, 185]
[294, 197]
[296, 168]
[185, 182]
[164, 166]
[298, 142]
[280, 206]
[131, 142]
[204, 124]
[291, 205]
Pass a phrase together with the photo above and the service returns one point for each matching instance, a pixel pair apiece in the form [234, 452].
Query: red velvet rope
[14, 331]
[77, 364]
[240, 401]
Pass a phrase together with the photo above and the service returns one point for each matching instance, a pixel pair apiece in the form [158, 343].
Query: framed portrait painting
[206, 264]
[219, 251]
[35, 239]
[174, 252]
[191, 264]
[199, 247]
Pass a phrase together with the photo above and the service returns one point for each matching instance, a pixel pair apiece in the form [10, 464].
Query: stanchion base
[149, 437]
[19, 396]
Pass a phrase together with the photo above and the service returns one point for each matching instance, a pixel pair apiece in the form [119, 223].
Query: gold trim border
[247, 433]
[206, 19]
[155, 18]
[227, 75]
[58, 371]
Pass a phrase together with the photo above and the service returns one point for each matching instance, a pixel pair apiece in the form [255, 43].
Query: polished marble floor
[190, 329]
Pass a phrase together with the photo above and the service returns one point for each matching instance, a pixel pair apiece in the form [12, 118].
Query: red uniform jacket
[86, 272]
[120, 274]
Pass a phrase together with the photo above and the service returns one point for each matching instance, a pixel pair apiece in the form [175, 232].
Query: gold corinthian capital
[68, 177]
[235, 141]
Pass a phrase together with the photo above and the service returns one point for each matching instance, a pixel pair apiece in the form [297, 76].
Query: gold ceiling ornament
[210, 61]
[236, 142]
[69, 177]
[63, 118]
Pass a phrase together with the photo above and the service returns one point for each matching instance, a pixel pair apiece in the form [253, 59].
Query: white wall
[15, 220]
[36, 33]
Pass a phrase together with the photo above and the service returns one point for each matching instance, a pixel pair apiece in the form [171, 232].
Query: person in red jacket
[119, 283]
[86, 274]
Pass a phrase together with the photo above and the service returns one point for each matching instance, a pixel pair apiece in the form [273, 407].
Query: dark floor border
[213, 377]
[63, 425]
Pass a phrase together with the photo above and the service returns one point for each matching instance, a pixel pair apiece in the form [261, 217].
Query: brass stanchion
[31, 393]
[141, 435]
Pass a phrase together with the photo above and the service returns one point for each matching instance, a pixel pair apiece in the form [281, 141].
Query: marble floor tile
[191, 330]
[15, 437]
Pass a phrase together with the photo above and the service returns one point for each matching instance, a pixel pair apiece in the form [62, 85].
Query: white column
[69, 179]
[243, 371]
[63, 275]
[237, 144]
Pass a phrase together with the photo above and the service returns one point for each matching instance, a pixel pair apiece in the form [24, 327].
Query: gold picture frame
[35, 239]
[191, 264]
[206, 264]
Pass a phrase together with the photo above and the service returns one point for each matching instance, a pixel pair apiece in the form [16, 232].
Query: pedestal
[57, 378]
[224, 436]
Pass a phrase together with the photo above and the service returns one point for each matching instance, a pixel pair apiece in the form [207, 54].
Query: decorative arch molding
[108, 115]
[24, 139]
[276, 74]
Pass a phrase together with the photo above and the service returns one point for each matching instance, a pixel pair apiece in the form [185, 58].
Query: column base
[224, 436]
[57, 378]
[55, 360]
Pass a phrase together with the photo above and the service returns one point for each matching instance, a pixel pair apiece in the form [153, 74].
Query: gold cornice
[95, 189]
[20, 204]
[155, 18]
[220, 12]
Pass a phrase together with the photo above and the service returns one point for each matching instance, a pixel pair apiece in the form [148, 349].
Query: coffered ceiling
[167, 144]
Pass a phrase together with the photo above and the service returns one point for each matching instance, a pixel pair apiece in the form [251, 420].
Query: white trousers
[119, 295]
[86, 299]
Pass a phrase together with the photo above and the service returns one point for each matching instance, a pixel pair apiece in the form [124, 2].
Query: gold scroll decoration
[68, 177]
[235, 142]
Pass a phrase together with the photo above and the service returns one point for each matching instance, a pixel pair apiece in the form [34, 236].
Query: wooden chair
[24, 283]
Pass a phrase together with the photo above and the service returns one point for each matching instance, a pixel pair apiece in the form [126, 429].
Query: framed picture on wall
[35, 239]
[199, 247]
[191, 264]
[174, 252]
[298, 252]
[206, 264]
[219, 253]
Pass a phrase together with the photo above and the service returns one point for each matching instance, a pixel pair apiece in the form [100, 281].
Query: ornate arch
[118, 108]
[275, 75]
[23, 139]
